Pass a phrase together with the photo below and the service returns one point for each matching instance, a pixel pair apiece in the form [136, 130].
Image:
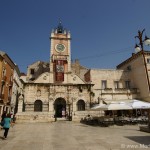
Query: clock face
[60, 47]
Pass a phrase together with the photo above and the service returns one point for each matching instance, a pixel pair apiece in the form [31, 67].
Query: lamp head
[147, 41]
[137, 48]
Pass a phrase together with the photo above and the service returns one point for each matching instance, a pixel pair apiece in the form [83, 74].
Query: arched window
[81, 105]
[38, 105]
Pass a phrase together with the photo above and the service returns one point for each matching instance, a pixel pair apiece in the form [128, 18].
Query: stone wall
[35, 117]
[77, 116]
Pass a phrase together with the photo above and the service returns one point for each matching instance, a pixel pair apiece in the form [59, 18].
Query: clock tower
[60, 55]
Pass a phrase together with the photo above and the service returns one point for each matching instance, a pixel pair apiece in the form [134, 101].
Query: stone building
[57, 85]
[139, 67]
[112, 84]
[7, 82]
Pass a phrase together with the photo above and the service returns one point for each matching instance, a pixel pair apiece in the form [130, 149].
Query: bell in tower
[60, 28]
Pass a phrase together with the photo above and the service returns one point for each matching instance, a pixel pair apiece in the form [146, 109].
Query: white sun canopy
[122, 105]
[136, 104]
[112, 106]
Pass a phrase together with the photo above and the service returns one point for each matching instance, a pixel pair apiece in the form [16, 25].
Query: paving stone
[73, 136]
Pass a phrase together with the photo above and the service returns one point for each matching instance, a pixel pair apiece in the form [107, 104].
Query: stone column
[20, 103]
[87, 106]
[51, 106]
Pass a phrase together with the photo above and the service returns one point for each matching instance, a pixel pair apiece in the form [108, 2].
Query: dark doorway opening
[59, 105]
[38, 105]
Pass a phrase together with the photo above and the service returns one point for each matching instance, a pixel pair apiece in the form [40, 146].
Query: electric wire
[106, 53]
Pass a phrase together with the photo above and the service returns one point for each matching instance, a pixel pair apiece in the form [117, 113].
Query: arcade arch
[59, 106]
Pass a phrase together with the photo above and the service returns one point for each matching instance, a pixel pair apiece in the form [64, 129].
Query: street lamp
[139, 47]
[146, 41]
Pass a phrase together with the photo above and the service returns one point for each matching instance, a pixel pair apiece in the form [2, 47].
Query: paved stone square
[65, 135]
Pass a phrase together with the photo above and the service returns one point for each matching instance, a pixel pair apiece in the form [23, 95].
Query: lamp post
[146, 41]
[139, 47]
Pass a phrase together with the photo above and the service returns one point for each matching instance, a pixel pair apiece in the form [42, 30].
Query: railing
[1, 96]
[4, 78]
[57, 57]
[10, 83]
[9, 98]
[119, 90]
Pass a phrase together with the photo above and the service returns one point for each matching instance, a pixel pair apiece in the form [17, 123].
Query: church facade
[55, 86]
[64, 89]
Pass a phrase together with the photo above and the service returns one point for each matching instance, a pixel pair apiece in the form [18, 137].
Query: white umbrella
[97, 107]
[136, 104]
[117, 106]
[113, 106]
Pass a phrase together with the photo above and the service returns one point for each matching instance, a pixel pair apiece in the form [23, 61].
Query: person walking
[3, 116]
[2, 119]
[6, 126]
[63, 112]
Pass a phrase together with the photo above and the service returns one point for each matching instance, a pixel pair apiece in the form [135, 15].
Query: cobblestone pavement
[65, 135]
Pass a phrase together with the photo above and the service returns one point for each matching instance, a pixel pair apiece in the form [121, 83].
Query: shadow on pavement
[140, 139]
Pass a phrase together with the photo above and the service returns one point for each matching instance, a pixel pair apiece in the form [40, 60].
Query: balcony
[120, 91]
[1, 96]
[125, 90]
[4, 78]
[107, 90]
[58, 57]
[9, 98]
[10, 83]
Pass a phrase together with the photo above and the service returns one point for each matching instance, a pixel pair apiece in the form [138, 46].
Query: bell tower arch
[60, 55]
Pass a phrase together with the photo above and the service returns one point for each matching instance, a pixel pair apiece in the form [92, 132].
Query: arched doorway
[59, 105]
[38, 105]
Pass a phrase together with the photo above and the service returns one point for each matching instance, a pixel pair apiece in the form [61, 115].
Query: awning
[118, 101]
[134, 103]
[112, 106]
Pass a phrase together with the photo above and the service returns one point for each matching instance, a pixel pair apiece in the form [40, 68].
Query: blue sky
[102, 31]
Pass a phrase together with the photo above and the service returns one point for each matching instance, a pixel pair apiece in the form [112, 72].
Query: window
[127, 84]
[104, 84]
[81, 105]
[4, 72]
[148, 60]
[11, 78]
[116, 84]
[9, 92]
[129, 68]
[32, 71]
[5, 62]
[3, 88]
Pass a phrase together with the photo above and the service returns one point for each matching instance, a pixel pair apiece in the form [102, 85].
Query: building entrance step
[61, 119]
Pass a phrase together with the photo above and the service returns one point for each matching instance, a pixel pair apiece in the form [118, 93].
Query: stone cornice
[59, 38]
[55, 84]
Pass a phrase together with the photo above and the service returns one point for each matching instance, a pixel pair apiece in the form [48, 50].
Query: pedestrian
[6, 126]
[2, 118]
[63, 112]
